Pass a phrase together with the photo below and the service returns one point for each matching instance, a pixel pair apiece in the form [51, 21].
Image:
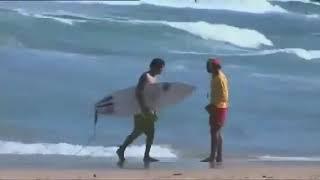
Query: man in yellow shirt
[217, 108]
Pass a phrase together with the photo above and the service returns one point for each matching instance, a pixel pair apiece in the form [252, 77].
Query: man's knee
[149, 139]
[215, 130]
[150, 135]
[134, 134]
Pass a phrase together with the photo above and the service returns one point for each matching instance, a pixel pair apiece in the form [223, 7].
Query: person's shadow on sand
[146, 164]
[214, 165]
[120, 164]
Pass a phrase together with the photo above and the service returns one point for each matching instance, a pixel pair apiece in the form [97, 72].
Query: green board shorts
[145, 121]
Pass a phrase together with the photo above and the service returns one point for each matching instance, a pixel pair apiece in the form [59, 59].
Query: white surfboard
[157, 96]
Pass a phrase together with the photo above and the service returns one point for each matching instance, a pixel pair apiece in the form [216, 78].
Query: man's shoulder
[143, 75]
[222, 76]
[143, 78]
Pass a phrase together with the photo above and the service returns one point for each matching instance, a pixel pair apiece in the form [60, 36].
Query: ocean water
[58, 58]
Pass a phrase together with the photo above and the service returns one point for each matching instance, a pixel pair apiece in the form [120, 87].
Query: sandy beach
[239, 172]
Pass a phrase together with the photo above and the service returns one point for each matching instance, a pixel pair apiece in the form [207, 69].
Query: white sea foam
[10, 147]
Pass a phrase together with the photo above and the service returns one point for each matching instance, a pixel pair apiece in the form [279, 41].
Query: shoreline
[87, 162]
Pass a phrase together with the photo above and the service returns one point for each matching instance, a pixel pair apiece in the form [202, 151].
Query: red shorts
[218, 117]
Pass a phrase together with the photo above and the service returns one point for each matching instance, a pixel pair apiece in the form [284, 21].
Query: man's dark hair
[157, 62]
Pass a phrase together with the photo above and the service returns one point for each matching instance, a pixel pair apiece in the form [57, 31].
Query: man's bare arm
[139, 93]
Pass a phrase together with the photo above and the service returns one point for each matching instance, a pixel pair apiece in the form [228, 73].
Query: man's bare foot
[120, 154]
[150, 159]
[208, 159]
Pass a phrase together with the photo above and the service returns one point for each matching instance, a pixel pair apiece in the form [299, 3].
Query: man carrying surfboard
[144, 121]
[217, 108]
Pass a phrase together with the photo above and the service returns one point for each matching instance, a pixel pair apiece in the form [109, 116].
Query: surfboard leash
[92, 137]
